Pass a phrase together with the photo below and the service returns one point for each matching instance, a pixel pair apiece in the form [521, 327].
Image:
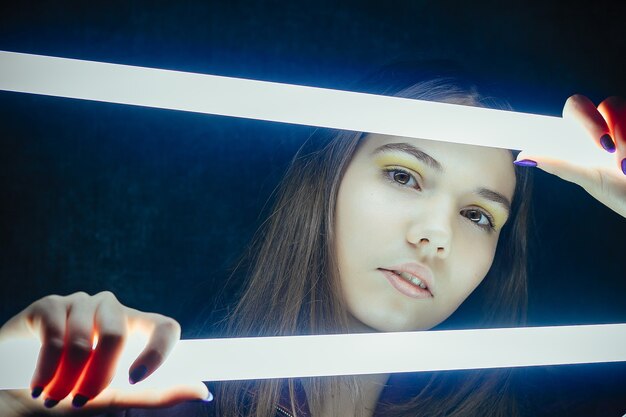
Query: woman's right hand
[605, 126]
[70, 374]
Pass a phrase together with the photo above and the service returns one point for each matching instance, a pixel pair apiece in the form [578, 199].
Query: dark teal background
[157, 205]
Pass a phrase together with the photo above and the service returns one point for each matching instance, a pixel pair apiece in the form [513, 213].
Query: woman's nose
[431, 233]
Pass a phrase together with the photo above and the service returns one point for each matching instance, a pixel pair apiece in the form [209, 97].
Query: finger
[582, 111]
[583, 176]
[150, 398]
[77, 347]
[613, 109]
[602, 185]
[48, 318]
[174, 395]
[165, 334]
[111, 329]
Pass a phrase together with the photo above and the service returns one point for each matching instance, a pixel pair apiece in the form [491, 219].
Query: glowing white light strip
[371, 353]
[253, 99]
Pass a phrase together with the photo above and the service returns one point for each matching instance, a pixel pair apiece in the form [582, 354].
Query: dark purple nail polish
[525, 163]
[49, 403]
[624, 166]
[79, 401]
[137, 374]
[607, 143]
[36, 392]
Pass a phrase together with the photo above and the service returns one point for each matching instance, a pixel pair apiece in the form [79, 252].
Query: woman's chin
[369, 324]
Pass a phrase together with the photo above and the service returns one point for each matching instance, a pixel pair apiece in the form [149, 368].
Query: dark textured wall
[157, 205]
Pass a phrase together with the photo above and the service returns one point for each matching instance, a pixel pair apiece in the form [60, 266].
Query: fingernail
[36, 392]
[208, 399]
[49, 403]
[624, 166]
[79, 401]
[137, 374]
[607, 143]
[525, 163]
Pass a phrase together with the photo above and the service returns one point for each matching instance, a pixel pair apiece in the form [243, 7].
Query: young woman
[368, 233]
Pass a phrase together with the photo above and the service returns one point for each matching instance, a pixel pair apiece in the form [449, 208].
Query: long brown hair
[292, 285]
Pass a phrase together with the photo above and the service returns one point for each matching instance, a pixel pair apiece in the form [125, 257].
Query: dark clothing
[188, 409]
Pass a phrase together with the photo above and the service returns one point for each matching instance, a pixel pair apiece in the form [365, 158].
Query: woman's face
[417, 227]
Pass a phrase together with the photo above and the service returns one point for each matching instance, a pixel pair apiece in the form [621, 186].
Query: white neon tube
[367, 353]
[113, 83]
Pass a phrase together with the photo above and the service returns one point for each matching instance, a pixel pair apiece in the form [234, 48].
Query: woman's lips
[405, 287]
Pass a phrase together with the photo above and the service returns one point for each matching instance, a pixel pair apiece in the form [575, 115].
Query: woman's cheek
[372, 218]
[475, 261]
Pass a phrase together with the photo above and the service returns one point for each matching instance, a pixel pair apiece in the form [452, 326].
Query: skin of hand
[606, 126]
[71, 376]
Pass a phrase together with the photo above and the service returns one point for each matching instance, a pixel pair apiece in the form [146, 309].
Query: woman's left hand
[606, 126]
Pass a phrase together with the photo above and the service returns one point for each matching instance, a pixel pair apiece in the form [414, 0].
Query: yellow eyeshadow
[385, 160]
[498, 214]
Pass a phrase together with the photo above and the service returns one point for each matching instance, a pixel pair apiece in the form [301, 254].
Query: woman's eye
[478, 217]
[402, 177]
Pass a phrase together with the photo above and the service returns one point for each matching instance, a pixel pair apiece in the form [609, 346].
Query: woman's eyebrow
[411, 150]
[494, 196]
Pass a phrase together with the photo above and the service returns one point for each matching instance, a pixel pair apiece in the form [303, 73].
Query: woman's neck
[371, 386]
[341, 404]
